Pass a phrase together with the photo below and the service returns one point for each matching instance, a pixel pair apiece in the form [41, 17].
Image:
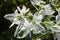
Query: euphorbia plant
[38, 22]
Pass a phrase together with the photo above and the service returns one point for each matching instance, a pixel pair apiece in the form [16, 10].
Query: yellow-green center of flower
[20, 16]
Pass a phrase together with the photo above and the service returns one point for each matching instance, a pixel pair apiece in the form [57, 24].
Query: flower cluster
[38, 22]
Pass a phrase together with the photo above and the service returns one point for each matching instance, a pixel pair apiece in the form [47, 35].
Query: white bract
[47, 10]
[58, 16]
[55, 28]
[37, 18]
[23, 10]
[52, 1]
[38, 28]
[37, 2]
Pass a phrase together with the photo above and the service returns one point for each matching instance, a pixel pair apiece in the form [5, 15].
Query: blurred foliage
[9, 6]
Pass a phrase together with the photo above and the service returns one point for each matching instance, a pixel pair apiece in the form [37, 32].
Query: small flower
[47, 10]
[23, 10]
[14, 18]
[37, 27]
[37, 18]
[37, 2]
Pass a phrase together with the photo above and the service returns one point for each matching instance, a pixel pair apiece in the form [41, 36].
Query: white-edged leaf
[23, 32]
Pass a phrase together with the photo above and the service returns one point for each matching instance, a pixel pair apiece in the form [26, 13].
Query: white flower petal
[23, 28]
[37, 29]
[37, 2]
[55, 28]
[11, 25]
[27, 10]
[26, 23]
[32, 2]
[16, 21]
[37, 18]
[17, 29]
[18, 9]
[9, 17]
[23, 9]
[57, 18]
[58, 10]
[47, 10]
